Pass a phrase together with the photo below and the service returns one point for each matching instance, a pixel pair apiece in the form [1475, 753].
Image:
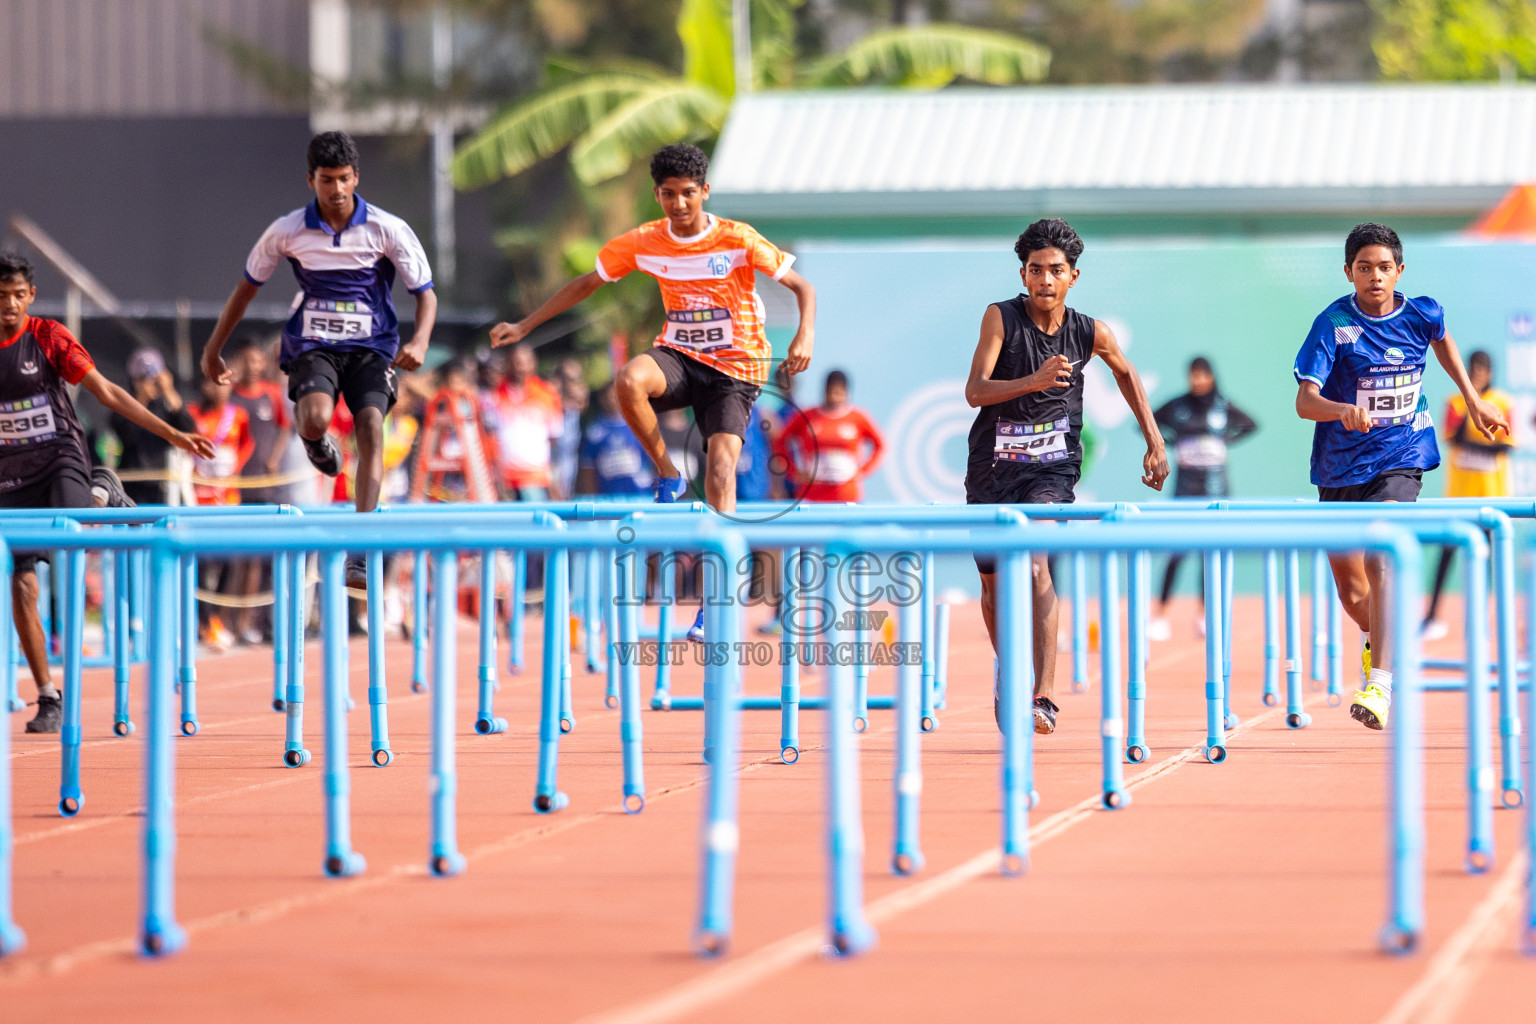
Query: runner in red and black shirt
[42, 448]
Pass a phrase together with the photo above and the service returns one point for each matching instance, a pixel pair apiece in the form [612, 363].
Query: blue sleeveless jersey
[1378, 364]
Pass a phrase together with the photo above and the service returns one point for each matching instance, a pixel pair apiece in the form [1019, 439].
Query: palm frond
[542, 126]
[934, 55]
[704, 26]
[663, 113]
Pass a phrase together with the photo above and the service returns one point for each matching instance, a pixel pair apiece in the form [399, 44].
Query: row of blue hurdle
[943, 530]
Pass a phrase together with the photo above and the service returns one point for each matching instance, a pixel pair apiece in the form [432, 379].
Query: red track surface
[1248, 891]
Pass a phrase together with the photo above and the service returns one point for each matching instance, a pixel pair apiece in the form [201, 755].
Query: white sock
[1380, 677]
[47, 691]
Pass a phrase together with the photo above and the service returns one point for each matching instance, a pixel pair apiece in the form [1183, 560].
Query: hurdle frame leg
[1316, 668]
[1271, 691]
[281, 596]
[340, 859]
[624, 607]
[378, 684]
[188, 674]
[1139, 568]
[160, 935]
[1079, 563]
[1111, 724]
[928, 721]
[1296, 716]
[12, 938]
[294, 753]
[1215, 749]
[907, 852]
[71, 584]
[517, 611]
[547, 796]
[486, 722]
[421, 621]
[1015, 693]
[1502, 553]
[122, 647]
[444, 859]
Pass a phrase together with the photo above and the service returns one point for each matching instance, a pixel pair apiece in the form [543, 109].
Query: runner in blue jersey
[344, 337]
[1360, 375]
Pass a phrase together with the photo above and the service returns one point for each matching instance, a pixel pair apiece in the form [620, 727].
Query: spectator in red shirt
[226, 425]
[524, 416]
[830, 449]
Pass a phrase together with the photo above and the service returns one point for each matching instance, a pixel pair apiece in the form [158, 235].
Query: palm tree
[610, 117]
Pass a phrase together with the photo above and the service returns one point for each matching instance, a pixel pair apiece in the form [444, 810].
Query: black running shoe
[324, 455]
[357, 572]
[50, 714]
[107, 489]
[1045, 715]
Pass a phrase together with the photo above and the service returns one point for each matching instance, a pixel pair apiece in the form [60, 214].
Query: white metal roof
[1151, 149]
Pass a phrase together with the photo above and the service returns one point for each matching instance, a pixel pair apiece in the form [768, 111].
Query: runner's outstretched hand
[504, 334]
[197, 444]
[798, 358]
[1485, 416]
[214, 367]
[1154, 467]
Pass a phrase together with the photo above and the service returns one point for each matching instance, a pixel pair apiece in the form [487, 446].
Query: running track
[1248, 891]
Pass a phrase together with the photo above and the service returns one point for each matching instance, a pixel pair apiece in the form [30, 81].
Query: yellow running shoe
[1371, 706]
[1365, 662]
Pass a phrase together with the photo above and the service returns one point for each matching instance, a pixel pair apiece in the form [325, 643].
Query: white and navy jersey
[346, 277]
[1376, 363]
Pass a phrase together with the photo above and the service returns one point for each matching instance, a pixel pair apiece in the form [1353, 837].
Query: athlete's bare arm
[115, 399]
[1485, 416]
[981, 389]
[1311, 405]
[414, 352]
[573, 292]
[1154, 465]
[234, 311]
[798, 358]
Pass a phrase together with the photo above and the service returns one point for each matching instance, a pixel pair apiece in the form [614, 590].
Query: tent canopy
[1515, 214]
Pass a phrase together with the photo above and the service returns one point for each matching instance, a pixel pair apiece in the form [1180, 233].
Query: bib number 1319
[1389, 399]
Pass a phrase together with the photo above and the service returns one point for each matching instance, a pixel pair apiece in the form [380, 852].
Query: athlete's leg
[1046, 617]
[1354, 585]
[1379, 575]
[1170, 576]
[639, 381]
[989, 606]
[29, 627]
[368, 432]
[720, 457]
[312, 415]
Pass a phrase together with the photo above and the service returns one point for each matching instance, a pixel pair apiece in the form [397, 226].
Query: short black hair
[1200, 364]
[836, 377]
[1480, 358]
[14, 264]
[679, 161]
[332, 149]
[1372, 234]
[1050, 233]
[240, 342]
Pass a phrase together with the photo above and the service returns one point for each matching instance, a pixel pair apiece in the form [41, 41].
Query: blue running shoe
[669, 489]
[696, 631]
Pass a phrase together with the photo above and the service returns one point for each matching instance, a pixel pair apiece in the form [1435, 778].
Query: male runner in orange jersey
[713, 354]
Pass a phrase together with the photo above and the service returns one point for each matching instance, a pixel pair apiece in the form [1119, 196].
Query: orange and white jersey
[708, 287]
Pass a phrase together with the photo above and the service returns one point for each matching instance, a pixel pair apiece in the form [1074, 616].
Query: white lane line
[735, 975]
[1443, 987]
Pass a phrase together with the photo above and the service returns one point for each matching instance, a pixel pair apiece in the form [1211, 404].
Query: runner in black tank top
[42, 448]
[1027, 381]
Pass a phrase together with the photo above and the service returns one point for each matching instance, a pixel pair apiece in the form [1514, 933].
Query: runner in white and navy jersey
[344, 337]
[1360, 376]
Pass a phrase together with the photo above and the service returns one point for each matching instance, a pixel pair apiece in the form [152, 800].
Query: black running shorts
[361, 376]
[721, 403]
[1014, 485]
[1392, 485]
[67, 485]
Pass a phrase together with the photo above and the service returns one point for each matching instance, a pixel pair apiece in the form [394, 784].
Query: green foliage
[931, 56]
[1455, 40]
[1104, 41]
[538, 128]
[662, 113]
[704, 26]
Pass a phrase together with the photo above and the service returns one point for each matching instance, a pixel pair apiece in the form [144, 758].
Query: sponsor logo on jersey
[1394, 355]
[29, 367]
[720, 264]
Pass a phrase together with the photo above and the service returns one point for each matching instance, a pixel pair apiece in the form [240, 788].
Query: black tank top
[38, 427]
[1039, 430]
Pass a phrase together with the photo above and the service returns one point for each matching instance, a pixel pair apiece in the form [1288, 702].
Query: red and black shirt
[38, 427]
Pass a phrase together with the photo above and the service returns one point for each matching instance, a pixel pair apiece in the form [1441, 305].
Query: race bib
[1030, 442]
[1471, 460]
[1205, 452]
[836, 467]
[618, 461]
[325, 320]
[27, 421]
[702, 330]
[1389, 398]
